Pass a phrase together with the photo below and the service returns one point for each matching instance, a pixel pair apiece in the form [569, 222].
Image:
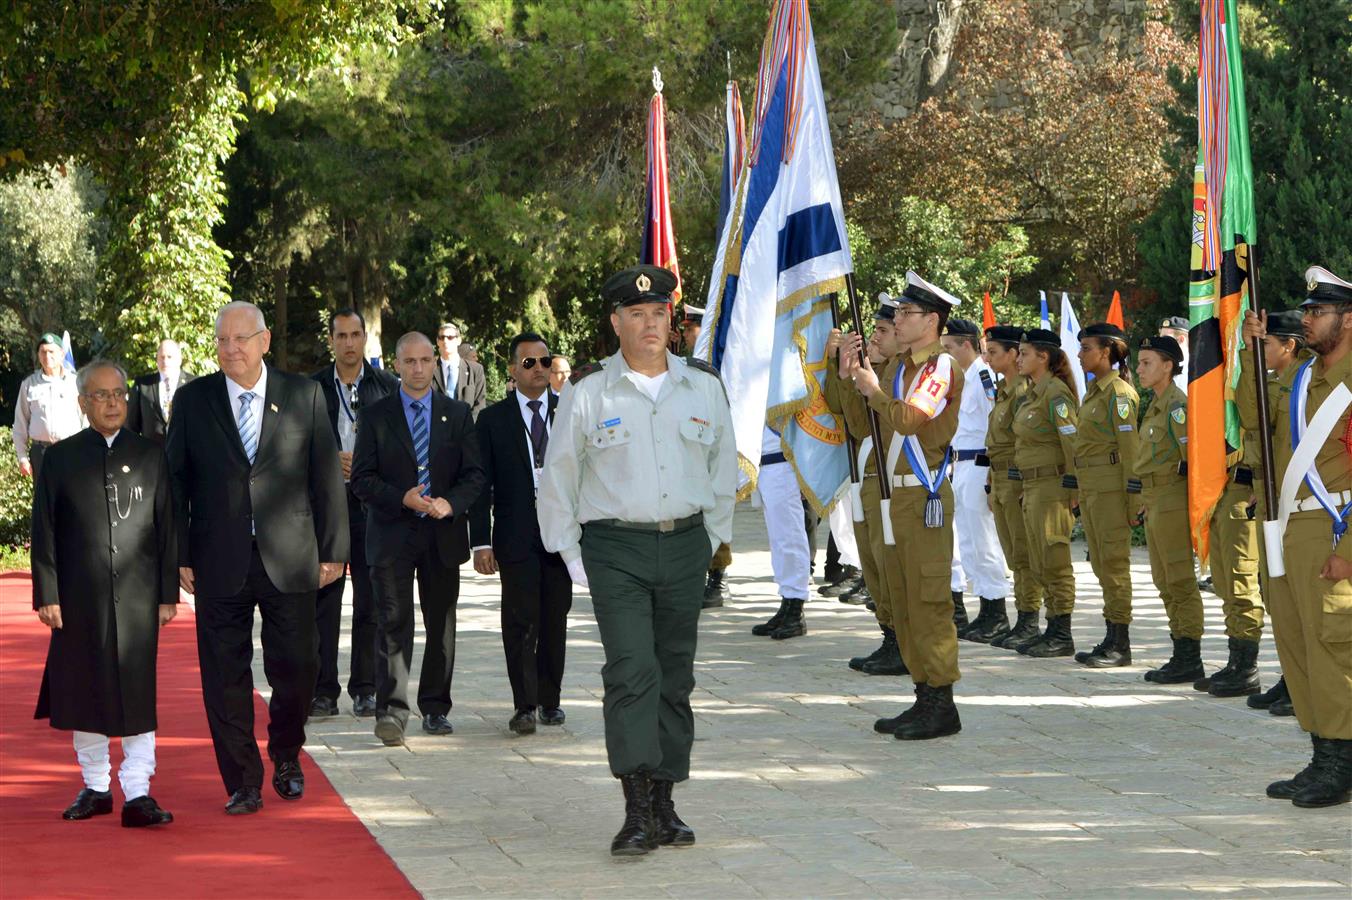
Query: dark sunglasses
[529, 362]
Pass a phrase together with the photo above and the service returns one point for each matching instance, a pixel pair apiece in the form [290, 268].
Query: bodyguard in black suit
[537, 591]
[152, 395]
[416, 468]
[262, 519]
[466, 377]
[350, 385]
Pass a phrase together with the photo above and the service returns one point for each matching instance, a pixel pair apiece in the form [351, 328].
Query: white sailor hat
[1325, 287]
[887, 307]
[692, 313]
[923, 294]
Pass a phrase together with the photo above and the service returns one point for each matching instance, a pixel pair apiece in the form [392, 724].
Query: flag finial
[657, 80]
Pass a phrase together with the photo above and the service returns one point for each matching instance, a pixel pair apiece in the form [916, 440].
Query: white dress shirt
[347, 416]
[975, 411]
[256, 407]
[522, 400]
[168, 385]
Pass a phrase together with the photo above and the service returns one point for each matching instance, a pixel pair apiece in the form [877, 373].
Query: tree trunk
[373, 303]
[939, 49]
[281, 277]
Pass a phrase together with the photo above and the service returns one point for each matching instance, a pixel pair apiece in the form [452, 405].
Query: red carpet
[314, 847]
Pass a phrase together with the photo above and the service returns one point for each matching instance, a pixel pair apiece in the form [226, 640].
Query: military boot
[1203, 684]
[857, 662]
[1270, 696]
[1083, 656]
[1242, 679]
[991, 623]
[938, 718]
[793, 624]
[1289, 787]
[1185, 665]
[840, 582]
[716, 591]
[890, 725]
[959, 611]
[1331, 782]
[1282, 706]
[766, 628]
[671, 831]
[858, 593]
[1055, 641]
[1113, 652]
[889, 661]
[1025, 629]
[638, 834]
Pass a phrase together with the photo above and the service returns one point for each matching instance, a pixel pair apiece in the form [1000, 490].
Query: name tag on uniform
[610, 423]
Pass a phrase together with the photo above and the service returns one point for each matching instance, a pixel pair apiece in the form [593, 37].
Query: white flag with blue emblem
[1070, 342]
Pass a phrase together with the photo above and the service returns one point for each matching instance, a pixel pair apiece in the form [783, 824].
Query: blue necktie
[420, 441]
[248, 428]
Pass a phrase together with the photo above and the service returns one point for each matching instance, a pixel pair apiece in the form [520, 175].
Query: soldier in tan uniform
[1161, 465]
[1311, 604]
[1105, 460]
[1044, 455]
[920, 402]
[1006, 493]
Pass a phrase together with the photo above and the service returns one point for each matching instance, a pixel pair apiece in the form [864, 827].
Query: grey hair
[259, 321]
[411, 336]
[89, 368]
[175, 343]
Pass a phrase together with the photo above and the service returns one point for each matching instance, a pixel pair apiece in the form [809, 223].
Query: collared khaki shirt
[1163, 443]
[1010, 394]
[1045, 427]
[1106, 424]
[934, 434]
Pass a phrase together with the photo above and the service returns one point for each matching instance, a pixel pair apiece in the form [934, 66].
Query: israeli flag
[1070, 343]
[68, 360]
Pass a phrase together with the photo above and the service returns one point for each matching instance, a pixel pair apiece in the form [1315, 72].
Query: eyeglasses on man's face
[529, 362]
[223, 342]
[448, 336]
[1323, 309]
[106, 396]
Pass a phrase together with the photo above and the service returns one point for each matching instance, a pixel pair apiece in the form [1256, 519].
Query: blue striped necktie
[248, 426]
[420, 440]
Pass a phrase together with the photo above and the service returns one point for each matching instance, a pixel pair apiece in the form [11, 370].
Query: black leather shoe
[288, 780]
[889, 661]
[890, 725]
[364, 706]
[1241, 679]
[1289, 787]
[793, 624]
[842, 584]
[857, 595]
[637, 835]
[1025, 629]
[857, 662]
[937, 718]
[1114, 652]
[671, 831]
[1331, 783]
[1184, 666]
[244, 802]
[523, 722]
[1282, 707]
[144, 812]
[389, 730]
[552, 716]
[765, 628]
[323, 708]
[437, 724]
[89, 803]
[1270, 696]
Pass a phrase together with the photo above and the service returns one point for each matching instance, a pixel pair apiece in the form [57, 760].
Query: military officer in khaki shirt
[1311, 605]
[48, 408]
[920, 402]
[638, 488]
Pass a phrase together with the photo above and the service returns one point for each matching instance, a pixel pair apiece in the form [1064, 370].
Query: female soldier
[1161, 466]
[1044, 454]
[1105, 459]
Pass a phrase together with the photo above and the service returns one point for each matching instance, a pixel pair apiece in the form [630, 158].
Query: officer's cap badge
[643, 282]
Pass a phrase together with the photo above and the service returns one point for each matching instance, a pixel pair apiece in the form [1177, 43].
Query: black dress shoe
[552, 716]
[323, 708]
[389, 730]
[523, 722]
[437, 724]
[144, 812]
[89, 803]
[364, 706]
[288, 780]
[245, 801]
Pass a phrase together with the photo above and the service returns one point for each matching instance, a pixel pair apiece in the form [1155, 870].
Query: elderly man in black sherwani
[105, 580]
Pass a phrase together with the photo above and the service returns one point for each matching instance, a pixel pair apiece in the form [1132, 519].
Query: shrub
[16, 497]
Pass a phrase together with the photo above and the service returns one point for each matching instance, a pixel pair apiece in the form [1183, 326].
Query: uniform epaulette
[703, 366]
[584, 371]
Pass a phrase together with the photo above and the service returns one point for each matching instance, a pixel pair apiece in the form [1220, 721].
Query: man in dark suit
[416, 468]
[349, 385]
[152, 395]
[458, 377]
[262, 518]
[537, 591]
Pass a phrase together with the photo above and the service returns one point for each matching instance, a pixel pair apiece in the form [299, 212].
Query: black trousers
[361, 679]
[438, 591]
[537, 594]
[225, 651]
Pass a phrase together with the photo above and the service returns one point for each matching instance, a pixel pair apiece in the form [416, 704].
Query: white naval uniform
[976, 541]
[782, 504]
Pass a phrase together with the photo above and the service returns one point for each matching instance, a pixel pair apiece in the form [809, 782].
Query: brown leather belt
[1042, 472]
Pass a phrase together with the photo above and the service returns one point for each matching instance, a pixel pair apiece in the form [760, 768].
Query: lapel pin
[272, 406]
[443, 418]
[126, 469]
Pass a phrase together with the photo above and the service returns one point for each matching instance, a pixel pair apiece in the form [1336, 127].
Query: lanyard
[349, 406]
[928, 393]
[1299, 392]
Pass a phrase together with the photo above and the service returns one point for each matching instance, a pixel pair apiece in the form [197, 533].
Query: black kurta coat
[104, 548]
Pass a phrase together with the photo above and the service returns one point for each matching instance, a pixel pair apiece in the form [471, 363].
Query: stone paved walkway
[1063, 783]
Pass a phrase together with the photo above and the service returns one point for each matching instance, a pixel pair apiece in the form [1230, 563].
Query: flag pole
[1272, 538]
[875, 430]
[851, 447]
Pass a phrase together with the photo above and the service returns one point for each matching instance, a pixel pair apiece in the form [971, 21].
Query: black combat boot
[671, 831]
[637, 835]
[716, 591]
[1083, 656]
[992, 622]
[857, 595]
[1282, 706]
[1185, 665]
[1331, 782]
[1242, 680]
[937, 718]
[889, 661]
[841, 583]
[1025, 629]
[1270, 696]
[959, 611]
[1289, 787]
[890, 725]
[1203, 684]
[793, 624]
[857, 662]
[766, 628]
[1113, 652]
[979, 622]
[1055, 641]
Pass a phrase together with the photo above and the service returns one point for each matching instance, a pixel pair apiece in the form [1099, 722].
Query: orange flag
[1115, 312]
[987, 313]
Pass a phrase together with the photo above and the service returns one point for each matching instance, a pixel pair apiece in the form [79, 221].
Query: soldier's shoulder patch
[1179, 414]
[703, 366]
[1123, 407]
[583, 371]
[1061, 408]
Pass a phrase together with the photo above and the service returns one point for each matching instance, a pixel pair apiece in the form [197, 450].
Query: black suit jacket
[293, 492]
[510, 491]
[144, 415]
[375, 384]
[384, 467]
[471, 387]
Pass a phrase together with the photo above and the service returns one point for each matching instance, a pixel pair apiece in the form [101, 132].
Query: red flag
[1115, 312]
[987, 313]
[659, 235]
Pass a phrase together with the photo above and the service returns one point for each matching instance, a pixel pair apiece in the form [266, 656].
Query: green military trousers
[1047, 522]
[1167, 537]
[647, 589]
[1234, 563]
[922, 599]
[1104, 512]
[876, 559]
[1007, 505]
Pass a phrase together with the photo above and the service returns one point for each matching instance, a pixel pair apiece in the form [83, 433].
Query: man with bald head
[152, 395]
[416, 469]
[262, 518]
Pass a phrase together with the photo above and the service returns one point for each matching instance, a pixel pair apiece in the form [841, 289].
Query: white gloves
[578, 573]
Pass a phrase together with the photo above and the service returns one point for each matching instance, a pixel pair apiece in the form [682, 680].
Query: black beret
[1041, 337]
[1007, 334]
[1165, 345]
[640, 284]
[963, 327]
[1175, 322]
[1285, 324]
[1103, 330]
